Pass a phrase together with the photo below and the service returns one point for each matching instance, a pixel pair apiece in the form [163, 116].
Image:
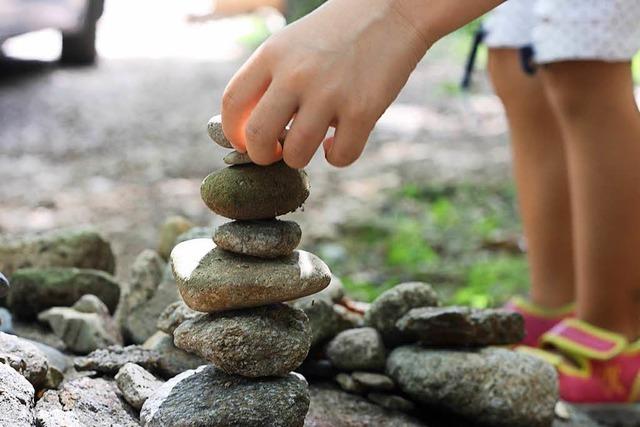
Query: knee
[568, 99]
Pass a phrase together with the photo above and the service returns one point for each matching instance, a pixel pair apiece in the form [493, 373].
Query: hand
[340, 66]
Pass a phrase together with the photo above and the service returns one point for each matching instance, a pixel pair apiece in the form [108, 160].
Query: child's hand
[340, 66]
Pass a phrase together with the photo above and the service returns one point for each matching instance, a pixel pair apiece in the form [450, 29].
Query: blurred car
[76, 19]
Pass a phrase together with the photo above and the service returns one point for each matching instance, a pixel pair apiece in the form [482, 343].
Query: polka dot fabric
[562, 30]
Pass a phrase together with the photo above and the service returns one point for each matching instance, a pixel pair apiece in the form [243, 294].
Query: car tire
[79, 48]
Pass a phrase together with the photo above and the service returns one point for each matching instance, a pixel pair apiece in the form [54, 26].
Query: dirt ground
[123, 145]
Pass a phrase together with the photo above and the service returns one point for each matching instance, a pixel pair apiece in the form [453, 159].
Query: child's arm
[342, 65]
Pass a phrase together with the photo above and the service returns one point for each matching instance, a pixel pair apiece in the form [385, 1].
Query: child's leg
[541, 178]
[601, 126]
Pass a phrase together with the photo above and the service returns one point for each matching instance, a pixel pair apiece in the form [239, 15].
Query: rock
[24, 357]
[237, 158]
[84, 327]
[347, 383]
[214, 129]
[391, 401]
[391, 305]
[494, 386]
[38, 333]
[255, 192]
[147, 273]
[208, 397]
[54, 356]
[257, 342]
[63, 248]
[357, 349]
[136, 384]
[142, 319]
[84, 402]
[264, 239]
[174, 315]
[332, 293]
[348, 319]
[172, 361]
[172, 227]
[460, 326]
[335, 408]
[36, 289]
[373, 381]
[16, 399]
[4, 285]
[54, 378]
[322, 368]
[195, 233]
[6, 320]
[210, 279]
[109, 360]
[324, 321]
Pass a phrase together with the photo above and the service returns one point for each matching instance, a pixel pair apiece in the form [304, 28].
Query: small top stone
[237, 158]
[214, 128]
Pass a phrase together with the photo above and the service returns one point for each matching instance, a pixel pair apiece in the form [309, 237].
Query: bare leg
[541, 177]
[601, 125]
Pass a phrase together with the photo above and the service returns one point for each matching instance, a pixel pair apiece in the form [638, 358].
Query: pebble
[462, 326]
[493, 386]
[172, 227]
[136, 384]
[16, 399]
[211, 279]
[391, 401]
[214, 129]
[209, 397]
[171, 360]
[258, 342]
[263, 239]
[324, 321]
[24, 357]
[173, 316]
[373, 381]
[247, 192]
[357, 349]
[237, 158]
[109, 360]
[347, 383]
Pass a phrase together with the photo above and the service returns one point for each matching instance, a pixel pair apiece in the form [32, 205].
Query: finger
[240, 97]
[267, 121]
[307, 132]
[348, 142]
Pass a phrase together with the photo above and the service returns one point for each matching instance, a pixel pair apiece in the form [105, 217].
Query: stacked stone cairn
[238, 281]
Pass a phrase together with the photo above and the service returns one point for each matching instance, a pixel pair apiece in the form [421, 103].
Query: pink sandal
[537, 319]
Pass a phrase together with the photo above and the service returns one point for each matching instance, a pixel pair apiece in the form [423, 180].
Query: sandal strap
[579, 338]
[525, 306]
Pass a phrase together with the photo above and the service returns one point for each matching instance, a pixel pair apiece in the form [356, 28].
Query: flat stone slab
[263, 239]
[208, 397]
[254, 342]
[210, 279]
[255, 192]
[109, 360]
[455, 326]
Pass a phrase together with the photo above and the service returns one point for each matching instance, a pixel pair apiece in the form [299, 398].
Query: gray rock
[4, 285]
[16, 399]
[265, 239]
[391, 401]
[79, 248]
[38, 333]
[210, 279]
[325, 322]
[391, 305]
[109, 360]
[334, 292]
[255, 192]
[172, 227]
[136, 384]
[174, 315]
[209, 397]
[147, 274]
[347, 383]
[460, 326]
[357, 349]
[348, 319]
[6, 320]
[335, 408]
[237, 158]
[54, 356]
[373, 381]
[257, 342]
[85, 327]
[214, 129]
[195, 233]
[494, 386]
[172, 360]
[36, 289]
[24, 357]
[84, 401]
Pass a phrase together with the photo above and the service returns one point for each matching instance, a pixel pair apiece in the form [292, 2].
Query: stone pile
[237, 282]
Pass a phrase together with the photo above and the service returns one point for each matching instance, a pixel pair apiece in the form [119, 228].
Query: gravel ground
[123, 145]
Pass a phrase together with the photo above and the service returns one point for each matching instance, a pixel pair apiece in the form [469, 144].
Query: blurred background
[118, 141]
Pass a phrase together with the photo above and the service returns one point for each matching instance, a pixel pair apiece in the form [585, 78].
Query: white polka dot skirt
[563, 30]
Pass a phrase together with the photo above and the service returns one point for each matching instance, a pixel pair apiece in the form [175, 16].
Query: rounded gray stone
[263, 239]
[171, 360]
[357, 349]
[373, 381]
[175, 313]
[391, 305]
[494, 386]
[172, 227]
[214, 129]
[237, 158]
[136, 384]
[255, 192]
[209, 397]
[257, 342]
[325, 322]
[210, 279]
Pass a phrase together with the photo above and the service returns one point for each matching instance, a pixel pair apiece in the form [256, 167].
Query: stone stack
[238, 281]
